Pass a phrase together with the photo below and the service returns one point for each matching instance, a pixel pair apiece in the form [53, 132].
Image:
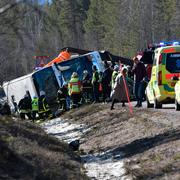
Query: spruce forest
[29, 28]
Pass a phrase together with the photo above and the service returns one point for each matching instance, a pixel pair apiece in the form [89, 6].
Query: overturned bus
[50, 79]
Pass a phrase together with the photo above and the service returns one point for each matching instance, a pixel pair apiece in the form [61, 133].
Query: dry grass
[149, 143]
[27, 152]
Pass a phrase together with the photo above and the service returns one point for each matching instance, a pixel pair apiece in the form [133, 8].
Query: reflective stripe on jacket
[74, 86]
[95, 78]
[43, 105]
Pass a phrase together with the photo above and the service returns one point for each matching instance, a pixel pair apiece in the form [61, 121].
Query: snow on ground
[101, 166]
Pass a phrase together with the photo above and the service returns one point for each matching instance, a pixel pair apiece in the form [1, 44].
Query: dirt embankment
[27, 152]
[148, 140]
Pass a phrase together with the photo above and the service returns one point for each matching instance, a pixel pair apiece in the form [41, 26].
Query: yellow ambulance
[165, 73]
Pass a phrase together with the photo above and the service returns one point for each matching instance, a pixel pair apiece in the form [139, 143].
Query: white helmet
[42, 93]
[116, 67]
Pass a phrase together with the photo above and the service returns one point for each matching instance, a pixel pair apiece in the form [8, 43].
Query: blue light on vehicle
[161, 43]
[175, 43]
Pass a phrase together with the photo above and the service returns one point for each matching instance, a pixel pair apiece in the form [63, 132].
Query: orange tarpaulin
[63, 56]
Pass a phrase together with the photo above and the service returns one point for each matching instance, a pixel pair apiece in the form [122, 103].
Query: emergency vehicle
[164, 75]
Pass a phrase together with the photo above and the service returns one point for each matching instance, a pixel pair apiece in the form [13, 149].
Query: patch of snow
[98, 167]
[64, 130]
[101, 166]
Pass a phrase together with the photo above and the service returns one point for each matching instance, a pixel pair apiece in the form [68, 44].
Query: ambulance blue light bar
[172, 43]
[163, 44]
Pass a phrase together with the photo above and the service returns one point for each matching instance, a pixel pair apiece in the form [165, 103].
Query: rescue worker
[75, 90]
[87, 87]
[5, 109]
[14, 104]
[62, 96]
[34, 103]
[114, 75]
[95, 84]
[140, 74]
[25, 107]
[44, 110]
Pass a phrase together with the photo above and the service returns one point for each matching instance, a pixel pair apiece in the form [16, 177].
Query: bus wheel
[177, 105]
[148, 103]
[157, 105]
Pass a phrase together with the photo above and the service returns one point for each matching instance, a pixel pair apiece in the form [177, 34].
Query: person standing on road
[140, 74]
[62, 96]
[95, 84]
[87, 87]
[119, 92]
[106, 83]
[114, 75]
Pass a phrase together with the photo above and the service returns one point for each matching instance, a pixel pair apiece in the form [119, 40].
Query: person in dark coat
[62, 96]
[140, 74]
[106, 83]
[87, 87]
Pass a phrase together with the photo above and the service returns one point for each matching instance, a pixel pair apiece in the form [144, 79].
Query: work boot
[137, 105]
[140, 105]
[123, 104]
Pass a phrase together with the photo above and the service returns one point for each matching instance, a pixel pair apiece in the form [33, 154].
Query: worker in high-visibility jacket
[95, 84]
[74, 88]
[34, 103]
[114, 75]
[44, 110]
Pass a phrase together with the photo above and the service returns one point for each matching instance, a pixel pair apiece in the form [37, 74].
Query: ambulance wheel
[177, 105]
[148, 104]
[157, 105]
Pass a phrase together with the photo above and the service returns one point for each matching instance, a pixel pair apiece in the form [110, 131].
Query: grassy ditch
[27, 152]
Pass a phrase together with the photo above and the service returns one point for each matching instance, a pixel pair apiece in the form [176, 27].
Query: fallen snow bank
[101, 166]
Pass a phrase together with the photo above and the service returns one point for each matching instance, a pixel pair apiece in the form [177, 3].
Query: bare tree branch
[9, 6]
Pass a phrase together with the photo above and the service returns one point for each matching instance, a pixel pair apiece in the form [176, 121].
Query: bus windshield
[45, 80]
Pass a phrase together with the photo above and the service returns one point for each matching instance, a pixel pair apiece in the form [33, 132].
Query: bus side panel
[18, 88]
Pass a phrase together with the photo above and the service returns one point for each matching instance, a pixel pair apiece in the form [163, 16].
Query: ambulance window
[173, 62]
